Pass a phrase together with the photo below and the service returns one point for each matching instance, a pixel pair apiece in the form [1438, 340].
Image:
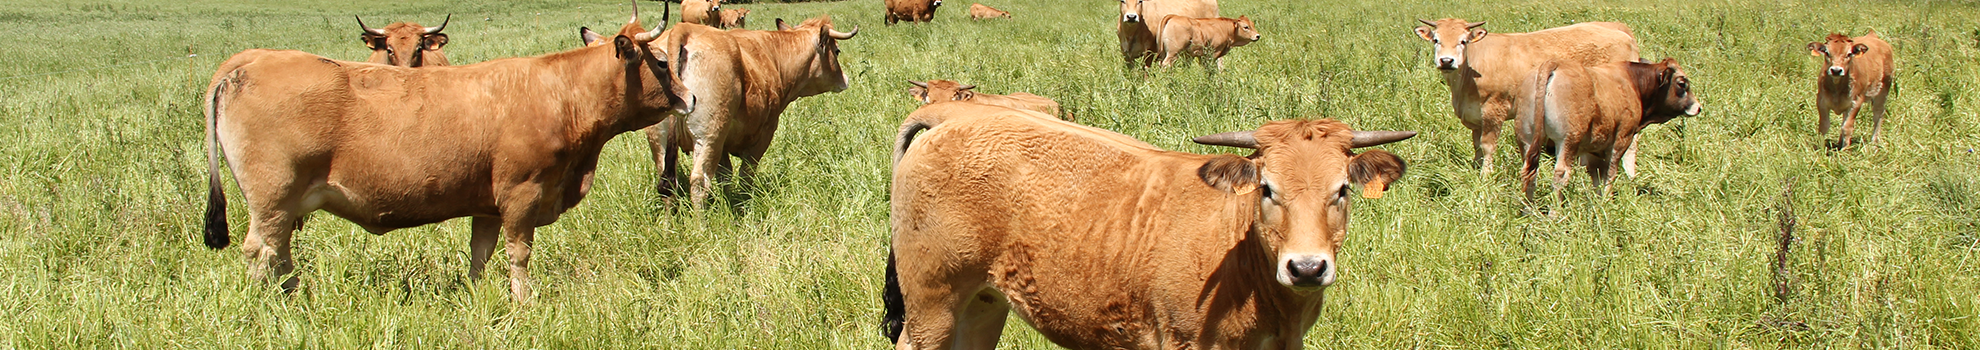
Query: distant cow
[948, 90]
[406, 44]
[1857, 72]
[1141, 20]
[1205, 38]
[733, 18]
[703, 12]
[1484, 72]
[742, 81]
[512, 142]
[981, 11]
[1592, 114]
[911, 10]
[1102, 242]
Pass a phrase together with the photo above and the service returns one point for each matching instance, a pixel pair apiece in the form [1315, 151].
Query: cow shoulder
[1229, 173]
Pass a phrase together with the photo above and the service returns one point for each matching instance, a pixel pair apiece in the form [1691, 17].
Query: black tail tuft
[216, 220]
[896, 317]
[216, 195]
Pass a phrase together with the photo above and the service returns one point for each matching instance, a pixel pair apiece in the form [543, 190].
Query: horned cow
[1103, 242]
[1857, 71]
[406, 44]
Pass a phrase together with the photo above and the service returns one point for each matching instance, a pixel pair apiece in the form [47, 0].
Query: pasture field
[102, 185]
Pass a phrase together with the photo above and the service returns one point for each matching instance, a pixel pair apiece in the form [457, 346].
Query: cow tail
[216, 195]
[915, 124]
[896, 317]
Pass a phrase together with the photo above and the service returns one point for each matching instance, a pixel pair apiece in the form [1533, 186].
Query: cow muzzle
[1836, 71]
[1696, 107]
[1307, 271]
[1447, 63]
[1131, 18]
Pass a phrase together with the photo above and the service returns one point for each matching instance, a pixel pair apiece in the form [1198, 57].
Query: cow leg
[1564, 158]
[519, 235]
[1598, 171]
[708, 161]
[1530, 164]
[481, 243]
[1876, 118]
[1487, 135]
[1849, 121]
[1479, 156]
[666, 157]
[267, 245]
[931, 319]
[1629, 160]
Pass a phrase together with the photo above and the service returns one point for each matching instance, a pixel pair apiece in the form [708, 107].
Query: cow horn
[838, 35]
[368, 29]
[1240, 139]
[443, 25]
[965, 87]
[1474, 25]
[1373, 138]
[1427, 23]
[655, 33]
[917, 83]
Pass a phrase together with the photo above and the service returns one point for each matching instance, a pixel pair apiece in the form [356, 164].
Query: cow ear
[372, 41]
[1424, 32]
[918, 93]
[625, 47]
[1374, 170]
[589, 37]
[1664, 76]
[1859, 49]
[781, 25]
[1476, 34]
[1230, 173]
[433, 42]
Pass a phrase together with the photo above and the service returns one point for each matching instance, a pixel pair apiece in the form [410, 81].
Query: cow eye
[1266, 190]
[1342, 195]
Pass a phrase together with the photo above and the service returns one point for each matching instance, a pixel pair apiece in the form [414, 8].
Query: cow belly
[380, 211]
[1074, 313]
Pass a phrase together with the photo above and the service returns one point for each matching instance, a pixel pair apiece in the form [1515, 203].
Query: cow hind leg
[1876, 118]
[981, 321]
[481, 243]
[268, 247]
[709, 161]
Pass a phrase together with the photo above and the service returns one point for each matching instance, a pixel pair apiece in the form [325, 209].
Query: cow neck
[791, 53]
[622, 102]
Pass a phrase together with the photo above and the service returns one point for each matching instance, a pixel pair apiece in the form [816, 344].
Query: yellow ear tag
[1373, 190]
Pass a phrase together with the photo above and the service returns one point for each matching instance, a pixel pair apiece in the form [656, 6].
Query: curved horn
[368, 29]
[1474, 25]
[917, 83]
[1427, 23]
[838, 35]
[1372, 138]
[965, 87]
[635, 16]
[655, 33]
[1240, 139]
[443, 25]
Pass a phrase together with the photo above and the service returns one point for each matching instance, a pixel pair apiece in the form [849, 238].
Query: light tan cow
[1484, 71]
[742, 80]
[734, 18]
[1592, 114]
[1103, 242]
[948, 90]
[406, 44]
[981, 11]
[1205, 38]
[703, 12]
[911, 10]
[1857, 72]
[512, 142]
[1141, 20]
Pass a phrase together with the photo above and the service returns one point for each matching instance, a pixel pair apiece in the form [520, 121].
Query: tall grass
[100, 185]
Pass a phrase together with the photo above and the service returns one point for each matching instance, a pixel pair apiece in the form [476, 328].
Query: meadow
[102, 185]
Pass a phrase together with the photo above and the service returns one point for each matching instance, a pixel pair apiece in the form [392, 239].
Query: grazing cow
[1142, 20]
[742, 81]
[733, 18]
[406, 44]
[512, 143]
[703, 12]
[1857, 72]
[981, 11]
[1103, 242]
[1484, 71]
[911, 10]
[947, 90]
[1592, 114]
[1205, 38]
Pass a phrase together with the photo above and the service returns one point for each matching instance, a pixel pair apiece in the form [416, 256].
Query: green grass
[101, 186]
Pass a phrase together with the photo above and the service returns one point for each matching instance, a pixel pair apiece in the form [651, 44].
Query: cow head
[1246, 33]
[1131, 11]
[822, 70]
[406, 44]
[1450, 35]
[648, 79]
[1301, 175]
[1837, 51]
[1671, 95]
[940, 90]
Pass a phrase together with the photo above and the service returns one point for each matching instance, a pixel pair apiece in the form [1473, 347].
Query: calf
[911, 10]
[1592, 113]
[1857, 71]
[981, 11]
[1484, 71]
[1141, 20]
[1205, 38]
[733, 18]
[406, 44]
[947, 90]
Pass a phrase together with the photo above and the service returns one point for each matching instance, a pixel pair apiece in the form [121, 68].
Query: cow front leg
[1849, 122]
[518, 235]
[1479, 155]
[708, 159]
[1599, 171]
[666, 155]
[481, 243]
[981, 322]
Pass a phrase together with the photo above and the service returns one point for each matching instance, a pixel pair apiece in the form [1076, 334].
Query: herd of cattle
[1000, 203]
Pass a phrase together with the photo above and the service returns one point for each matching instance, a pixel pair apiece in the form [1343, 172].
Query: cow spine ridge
[216, 195]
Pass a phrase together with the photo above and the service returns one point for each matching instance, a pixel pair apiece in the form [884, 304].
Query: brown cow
[911, 10]
[742, 80]
[981, 11]
[1858, 72]
[1141, 20]
[1205, 38]
[1484, 71]
[949, 90]
[406, 44]
[1102, 242]
[512, 143]
[703, 12]
[733, 18]
[1592, 114]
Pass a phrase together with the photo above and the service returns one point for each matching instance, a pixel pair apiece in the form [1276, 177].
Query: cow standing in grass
[1205, 38]
[734, 18]
[512, 143]
[703, 12]
[406, 44]
[1857, 71]
[1141, 21]
[1103, 242]
[1591, 114]
[911, 10]
[1484, 71]
[743, 80]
